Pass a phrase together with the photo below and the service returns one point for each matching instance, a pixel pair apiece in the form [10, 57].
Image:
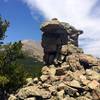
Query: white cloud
[75, 12]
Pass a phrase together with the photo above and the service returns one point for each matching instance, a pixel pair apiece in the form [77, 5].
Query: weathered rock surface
[68, 74]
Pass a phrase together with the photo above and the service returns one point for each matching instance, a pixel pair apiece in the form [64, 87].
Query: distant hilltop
[33, 49]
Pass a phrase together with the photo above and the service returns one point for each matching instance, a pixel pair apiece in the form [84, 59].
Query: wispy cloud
[5, 1]
[83, 14]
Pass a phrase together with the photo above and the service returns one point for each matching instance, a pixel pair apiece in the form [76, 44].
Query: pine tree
[3, 28]
[12, 74]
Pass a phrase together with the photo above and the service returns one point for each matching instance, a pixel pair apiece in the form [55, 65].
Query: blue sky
[22, 24]
[26, 17]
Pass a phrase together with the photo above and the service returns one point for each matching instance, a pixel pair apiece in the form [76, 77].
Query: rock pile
[68, 74]
[59, 39]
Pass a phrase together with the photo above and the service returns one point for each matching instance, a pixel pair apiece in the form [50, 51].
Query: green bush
[12, 74]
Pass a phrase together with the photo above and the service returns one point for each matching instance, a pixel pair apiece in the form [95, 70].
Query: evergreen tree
[12, 74]
[3, 28]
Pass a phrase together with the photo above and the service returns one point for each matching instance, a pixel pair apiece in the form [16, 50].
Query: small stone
[70, 91]
[68, 76]
[96, 68]
[82, 77]
[96, 94]
[74, 63]
[33, 98]
[12, 97]
[29, 81]
[84, 80]
[53, 78]
[53, 90]
[76, 75]
[93, 84]
[60, 95]
[88, 95]
[64, 64]
[46, 94]
[83, 98]
[64, 49]
[89, 72]
[52, 69]
[39, 83]
[44, 78]
[35, 80]
[45, 85]
[45, 70]
[77, 94]
[95, 76]
[75, 83]
[69, 98]
[62, 57]
[60, 71]
[61, 86]
[88, 59]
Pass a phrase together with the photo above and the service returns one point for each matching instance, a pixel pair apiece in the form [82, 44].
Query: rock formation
[59, 39]
[68, 74]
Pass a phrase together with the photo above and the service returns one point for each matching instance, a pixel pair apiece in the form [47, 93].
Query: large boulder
[59, 38]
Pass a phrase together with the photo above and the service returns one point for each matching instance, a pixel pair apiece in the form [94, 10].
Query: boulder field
[68, 73]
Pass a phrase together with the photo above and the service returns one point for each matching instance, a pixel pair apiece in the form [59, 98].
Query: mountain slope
[32, 49]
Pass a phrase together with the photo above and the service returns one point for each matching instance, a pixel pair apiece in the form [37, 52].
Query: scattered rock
[60, 95]
[70, 91]
[93, 84]
[52, 70]
[12, 97]
[53, 90]
[88, 60]
[45, 70]
[32, 91]
[93, 75]
[96, 94]
[74, 63]
[61, 86]
[68, 74]
[75, 83]
[83, 98]
[35, 80]
[31, 98]
[83, 80]
[60, 71]
[44, 78]
[29, 81]
[45, 85]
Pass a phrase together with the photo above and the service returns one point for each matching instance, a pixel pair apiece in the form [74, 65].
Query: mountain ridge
[32, 49]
